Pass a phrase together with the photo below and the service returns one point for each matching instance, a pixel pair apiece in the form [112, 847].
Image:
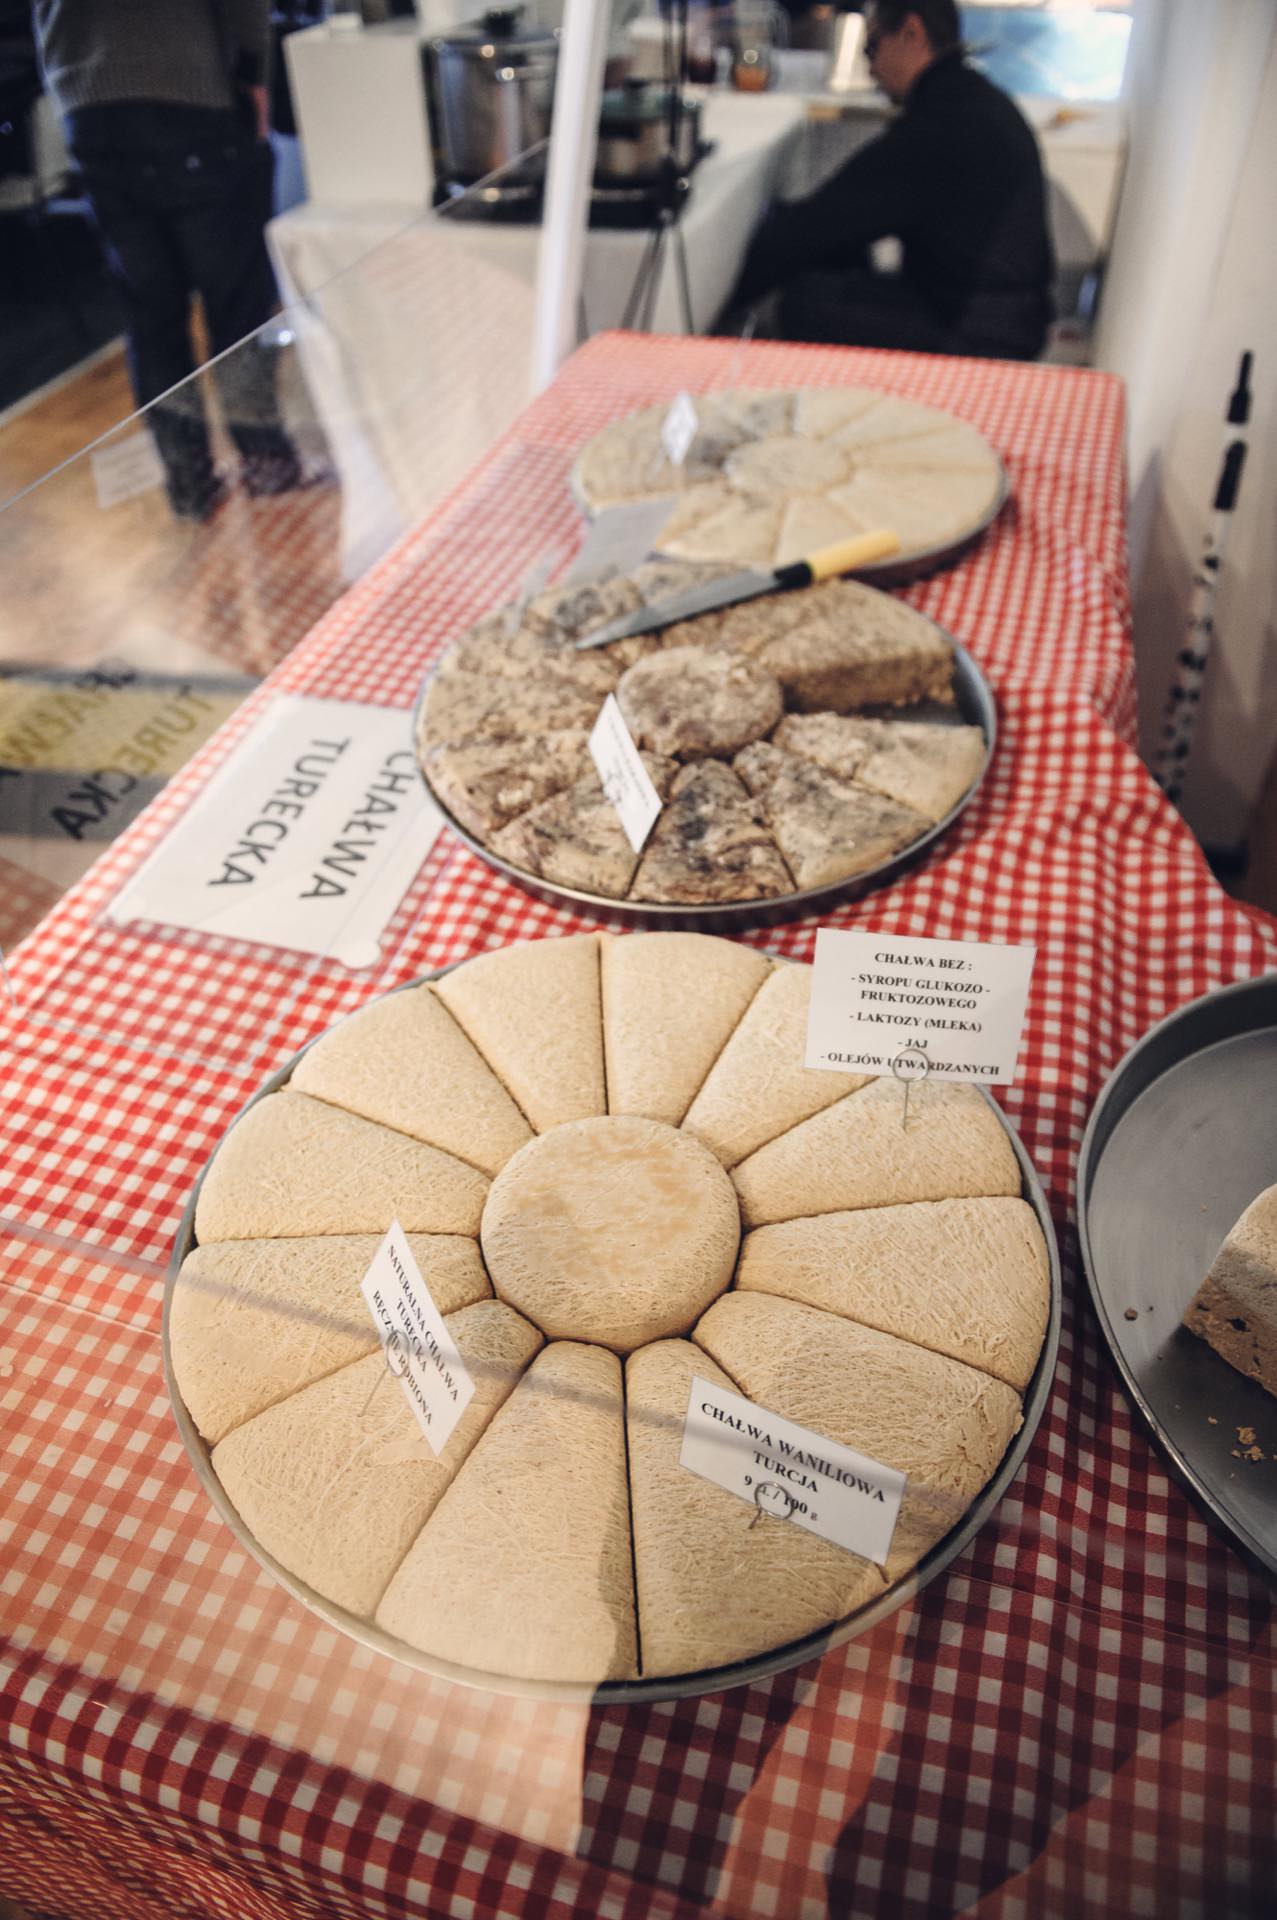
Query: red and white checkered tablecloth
[1080, 1717]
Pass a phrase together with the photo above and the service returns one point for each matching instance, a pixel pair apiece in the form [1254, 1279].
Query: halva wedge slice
[860, 1154]
[252, 1321]
[758, 1087]
[524, 1569]
[919, 764]
[710, 844]
[337, 1481]
[403, 1061]
[532, 1010]
[966, 1278]
[292, 1166]
[671, 1001]
[828, 829]
[1235, 1308]
[943, 1424]
[716, 1584]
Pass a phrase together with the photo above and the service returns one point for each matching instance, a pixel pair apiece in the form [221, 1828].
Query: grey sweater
[195, 53]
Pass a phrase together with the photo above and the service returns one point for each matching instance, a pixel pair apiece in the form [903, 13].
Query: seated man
[956, 178]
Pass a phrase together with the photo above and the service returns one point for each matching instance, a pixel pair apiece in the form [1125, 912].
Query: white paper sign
[678, 429]
[959, 1003]
[790, 1472]
[415, 1343]
[125, 469]
[308, 836]
[625, 778]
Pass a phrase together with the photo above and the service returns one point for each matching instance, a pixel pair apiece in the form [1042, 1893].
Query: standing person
[957, 178]
[165, 107]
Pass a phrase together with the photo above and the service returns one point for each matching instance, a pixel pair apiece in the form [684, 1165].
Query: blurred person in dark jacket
[166, 109]
[956, 178]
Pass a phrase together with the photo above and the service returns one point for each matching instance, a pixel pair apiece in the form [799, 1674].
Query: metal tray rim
[680, 1686]
[1105, 1116]
[739, 916]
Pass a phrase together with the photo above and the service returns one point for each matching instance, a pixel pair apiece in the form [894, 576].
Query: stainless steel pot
[491, 96]
[634, 135]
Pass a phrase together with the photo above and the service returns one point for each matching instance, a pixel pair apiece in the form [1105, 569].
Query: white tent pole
[573, 141]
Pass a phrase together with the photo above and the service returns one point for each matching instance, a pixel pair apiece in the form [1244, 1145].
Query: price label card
[959, 1004]
[790, 1472]
[625, 779]
[415, 1343]
[678, 429]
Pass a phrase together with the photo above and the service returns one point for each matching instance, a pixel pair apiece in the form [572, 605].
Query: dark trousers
[861, 308]
[181, 197]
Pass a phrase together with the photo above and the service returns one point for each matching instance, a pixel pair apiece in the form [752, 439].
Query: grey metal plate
[879, 573]
[973, 704]
[679, 1686]
[1182, 1139]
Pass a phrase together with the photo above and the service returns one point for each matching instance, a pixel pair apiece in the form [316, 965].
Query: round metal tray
[899, 572]
[679, 1686]
[974, 705]
[1181, 1140]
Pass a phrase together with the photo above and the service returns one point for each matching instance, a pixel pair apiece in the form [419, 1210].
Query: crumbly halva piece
[574, 610]
[576, 838]
[820, 411]
[524, 1568]
[461, 707]
[856, 647]
[671, 1002]
[928, 766]
[711, 843]
[828, 829]
[252, 1321]
[715, 1583]
[966, 1278]
[690, 704]
[944, 1425]
[337, 1481]
[758, 1087]
[661, 578]
[506, 647]
[1235, 1308]
[487, 783]
[292, 1166]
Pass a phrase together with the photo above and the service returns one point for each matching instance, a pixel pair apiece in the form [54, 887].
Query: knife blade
[749, 584]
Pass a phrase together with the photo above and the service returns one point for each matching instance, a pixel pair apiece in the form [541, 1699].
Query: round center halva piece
[614, 1230]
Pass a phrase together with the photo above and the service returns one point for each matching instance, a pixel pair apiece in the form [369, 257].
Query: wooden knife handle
[843, 558]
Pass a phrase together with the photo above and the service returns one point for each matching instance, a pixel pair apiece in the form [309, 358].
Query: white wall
[1193, 281]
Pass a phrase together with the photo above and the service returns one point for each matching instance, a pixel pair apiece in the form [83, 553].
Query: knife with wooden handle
[733, 588]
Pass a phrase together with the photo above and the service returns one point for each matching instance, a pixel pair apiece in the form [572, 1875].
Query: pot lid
[497, 35]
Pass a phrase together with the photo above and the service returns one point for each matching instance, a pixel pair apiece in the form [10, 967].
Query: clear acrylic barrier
[153, 579]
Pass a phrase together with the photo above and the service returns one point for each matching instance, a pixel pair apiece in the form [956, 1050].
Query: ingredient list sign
[307, 838]
[958, 1003]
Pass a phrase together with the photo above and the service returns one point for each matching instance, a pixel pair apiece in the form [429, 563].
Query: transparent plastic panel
[153, 579]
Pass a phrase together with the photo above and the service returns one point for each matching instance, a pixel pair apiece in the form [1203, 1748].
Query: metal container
[635, 145]
[491, 88]
[674, 1686]
[973, 704]
[1179, 1143]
